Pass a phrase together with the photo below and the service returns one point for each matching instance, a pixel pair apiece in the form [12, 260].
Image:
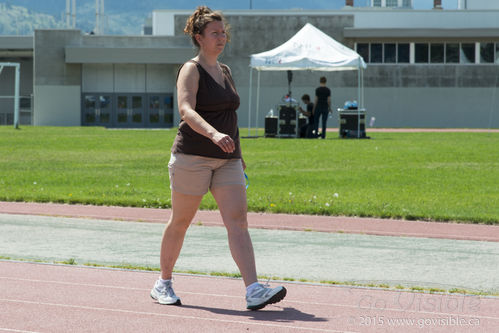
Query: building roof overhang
[430, 33]
[16, 46]
[16, 42]
[124, 55]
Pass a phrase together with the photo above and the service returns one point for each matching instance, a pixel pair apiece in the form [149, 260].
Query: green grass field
[428, 176]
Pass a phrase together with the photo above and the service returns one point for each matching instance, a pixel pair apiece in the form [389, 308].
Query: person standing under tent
[206, 155]
[322, 106]
[308, 129]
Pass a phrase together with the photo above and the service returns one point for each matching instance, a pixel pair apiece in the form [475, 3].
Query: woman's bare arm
[187, 88]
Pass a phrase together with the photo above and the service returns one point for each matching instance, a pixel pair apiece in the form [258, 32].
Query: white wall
[97, 78]
[479, 4]
[163, 23]
[109, 78]
[433, 107]
[129, 78]
[57, 106]
[426, 19]
[160, 78]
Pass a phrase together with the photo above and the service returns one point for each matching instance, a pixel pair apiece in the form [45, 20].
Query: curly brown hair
[197, 22]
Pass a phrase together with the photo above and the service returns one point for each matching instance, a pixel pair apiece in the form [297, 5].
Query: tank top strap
[194, 62]
[226, 71]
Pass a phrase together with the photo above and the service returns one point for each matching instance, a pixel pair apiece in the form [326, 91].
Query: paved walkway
[52, 298]
[348, 251]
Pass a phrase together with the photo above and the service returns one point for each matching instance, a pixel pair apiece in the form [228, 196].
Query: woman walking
[206, 156]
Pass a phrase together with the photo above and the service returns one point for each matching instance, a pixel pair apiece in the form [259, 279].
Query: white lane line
[287, 300]
[71, 283]
[3, 329]
[83, 307]
[107, 286]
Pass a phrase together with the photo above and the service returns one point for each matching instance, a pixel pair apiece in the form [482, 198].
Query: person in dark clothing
[206, 156]
[322, 106]
[307, 130]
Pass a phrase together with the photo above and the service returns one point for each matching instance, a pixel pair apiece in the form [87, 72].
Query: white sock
[249, 289]
[163, 281]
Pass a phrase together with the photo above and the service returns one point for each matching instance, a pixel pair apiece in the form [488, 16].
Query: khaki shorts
[195, 175]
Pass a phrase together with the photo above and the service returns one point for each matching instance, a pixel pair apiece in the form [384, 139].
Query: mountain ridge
[122, 17]
[127, 17]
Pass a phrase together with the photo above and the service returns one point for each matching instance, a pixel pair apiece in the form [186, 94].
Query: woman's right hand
[224, 141]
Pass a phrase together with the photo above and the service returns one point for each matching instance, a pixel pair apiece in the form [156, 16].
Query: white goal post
[16, 89]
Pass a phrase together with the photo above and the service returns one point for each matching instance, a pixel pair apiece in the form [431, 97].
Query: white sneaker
[164, 294]
[261, 296]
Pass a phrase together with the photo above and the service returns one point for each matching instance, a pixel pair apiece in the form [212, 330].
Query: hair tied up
[197, 22]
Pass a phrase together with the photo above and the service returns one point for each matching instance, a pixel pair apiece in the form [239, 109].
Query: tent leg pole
[362, 92]
[249, 102]
[257, 104]
[358, 104]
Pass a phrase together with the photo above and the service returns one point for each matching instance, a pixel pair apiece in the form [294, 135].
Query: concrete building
[426, 68]
[392, 3]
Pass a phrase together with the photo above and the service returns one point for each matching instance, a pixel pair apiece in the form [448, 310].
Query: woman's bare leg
[231, 201]
[184, 208]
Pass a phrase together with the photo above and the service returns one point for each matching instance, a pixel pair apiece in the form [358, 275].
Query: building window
[122, 102]
[437, 53]
[376, 53]
[452, 53]
[137, 102]
[407, 3]
[421, 53]
[390, 53]
[90, 101]
[403, 54]
[467, 53]
[429, 53]
[363, 51]
[391, 3]
[486, 53]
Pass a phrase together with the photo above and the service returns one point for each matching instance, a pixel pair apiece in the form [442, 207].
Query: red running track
[54, 298]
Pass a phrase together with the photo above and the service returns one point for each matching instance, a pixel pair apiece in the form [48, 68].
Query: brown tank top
[217, 105]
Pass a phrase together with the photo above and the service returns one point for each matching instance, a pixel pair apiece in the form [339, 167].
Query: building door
[129, 111]
[160, 111]
[97, 109]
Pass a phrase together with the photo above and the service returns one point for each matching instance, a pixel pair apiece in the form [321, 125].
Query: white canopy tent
[309, 49]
